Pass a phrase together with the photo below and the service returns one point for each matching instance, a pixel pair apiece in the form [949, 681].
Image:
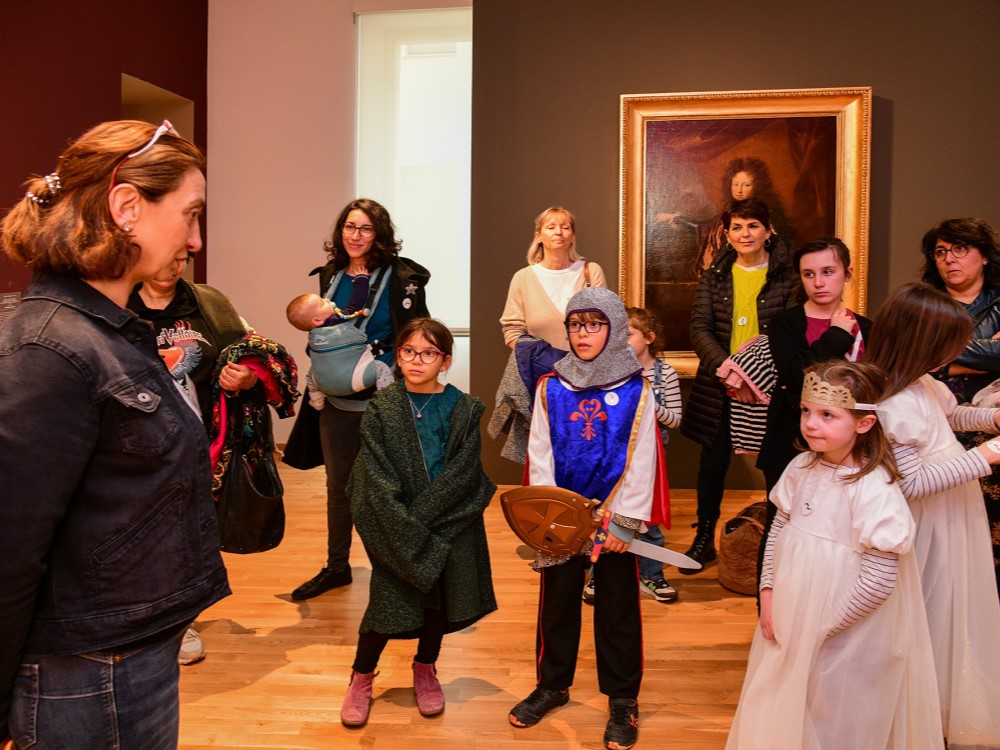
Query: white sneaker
[589, 592]
[192, 649]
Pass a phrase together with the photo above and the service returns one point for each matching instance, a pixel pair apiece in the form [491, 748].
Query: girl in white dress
[919, 329]
[841, 657]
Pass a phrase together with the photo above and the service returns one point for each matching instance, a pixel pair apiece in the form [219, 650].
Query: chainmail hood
[617, 361]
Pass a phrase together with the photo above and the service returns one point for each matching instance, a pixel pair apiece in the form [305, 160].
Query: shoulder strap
[374, 295]
[330, 290]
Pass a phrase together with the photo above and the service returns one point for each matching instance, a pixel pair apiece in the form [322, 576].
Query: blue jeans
[651, 568]
[120, 699]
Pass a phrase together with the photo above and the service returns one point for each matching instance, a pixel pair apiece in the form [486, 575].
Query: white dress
[955, 556]
[870, 686]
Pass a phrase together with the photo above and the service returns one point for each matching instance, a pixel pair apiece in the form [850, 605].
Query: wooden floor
[277, 670]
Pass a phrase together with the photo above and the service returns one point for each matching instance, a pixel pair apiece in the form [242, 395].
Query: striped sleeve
[767, 567]
[668, 395]
[973, 419]
[920, 479]
[876, 581]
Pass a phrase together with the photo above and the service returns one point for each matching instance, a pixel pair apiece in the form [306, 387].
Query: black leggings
[430, 634]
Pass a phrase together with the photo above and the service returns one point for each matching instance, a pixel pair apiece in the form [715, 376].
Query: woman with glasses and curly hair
[962, 258]
[373, 288]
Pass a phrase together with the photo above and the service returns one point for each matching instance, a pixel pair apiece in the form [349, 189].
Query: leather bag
[250, 508]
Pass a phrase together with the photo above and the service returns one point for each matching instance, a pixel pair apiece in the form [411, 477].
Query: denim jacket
[105, 500]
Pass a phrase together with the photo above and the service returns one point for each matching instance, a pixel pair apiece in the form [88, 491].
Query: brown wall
[60, 73]
[547, 79]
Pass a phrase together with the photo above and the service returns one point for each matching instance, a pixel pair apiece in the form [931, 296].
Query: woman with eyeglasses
[112, 547]
[375, 290]
[962, 258]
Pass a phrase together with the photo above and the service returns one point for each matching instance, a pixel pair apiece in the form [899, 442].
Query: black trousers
[340, 437]
[617, 624]
[429, 635]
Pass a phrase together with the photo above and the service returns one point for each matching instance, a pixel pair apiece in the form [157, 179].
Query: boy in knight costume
[593, 431]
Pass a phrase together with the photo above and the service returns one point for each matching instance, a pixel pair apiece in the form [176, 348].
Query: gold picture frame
[677, 152]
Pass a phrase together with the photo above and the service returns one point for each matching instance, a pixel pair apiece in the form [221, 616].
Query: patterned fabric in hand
[241, 422]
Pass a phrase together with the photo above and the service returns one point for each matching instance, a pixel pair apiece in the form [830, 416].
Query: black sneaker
[623, 725]
[322, 582]
[530, 711]
[589, 592]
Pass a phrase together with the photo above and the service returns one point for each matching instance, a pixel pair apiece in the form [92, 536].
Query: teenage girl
[819, 328]
[841, 656]
[418, 492]
[918, 330]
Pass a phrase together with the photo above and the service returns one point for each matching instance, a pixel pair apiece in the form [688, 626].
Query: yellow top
[747, 283]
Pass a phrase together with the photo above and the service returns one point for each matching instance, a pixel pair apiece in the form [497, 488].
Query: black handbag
[250, 508]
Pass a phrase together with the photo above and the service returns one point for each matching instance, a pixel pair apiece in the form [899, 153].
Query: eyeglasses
[958, 251]
[166, 127]
[427, 356]
[367, 230]
[591, 326]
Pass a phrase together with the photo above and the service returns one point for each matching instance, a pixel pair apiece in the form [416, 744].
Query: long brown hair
[385, 247]
[69, 230]
[917, 329]
[867, 383]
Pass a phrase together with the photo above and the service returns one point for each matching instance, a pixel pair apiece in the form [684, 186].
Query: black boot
[703, 547]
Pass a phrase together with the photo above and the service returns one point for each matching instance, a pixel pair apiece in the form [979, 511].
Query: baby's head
[307, 311]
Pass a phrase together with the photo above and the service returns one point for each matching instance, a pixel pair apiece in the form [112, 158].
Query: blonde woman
[536, 300]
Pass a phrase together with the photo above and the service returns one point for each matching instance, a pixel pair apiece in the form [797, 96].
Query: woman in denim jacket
[105, 466]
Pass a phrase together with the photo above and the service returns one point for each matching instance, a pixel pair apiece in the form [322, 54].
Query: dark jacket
[791, 355]
[211, 314]
[106, 483]
[712, 328]
[983, 351]
[426, 540]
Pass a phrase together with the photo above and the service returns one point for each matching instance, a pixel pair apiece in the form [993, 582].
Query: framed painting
[685, 157]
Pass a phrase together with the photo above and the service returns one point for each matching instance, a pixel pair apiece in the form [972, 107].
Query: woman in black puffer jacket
[746, 285]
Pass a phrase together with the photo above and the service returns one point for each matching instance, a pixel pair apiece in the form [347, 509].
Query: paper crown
[817, 391]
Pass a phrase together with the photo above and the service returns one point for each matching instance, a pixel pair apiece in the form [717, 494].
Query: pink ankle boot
[357, 700]
[430, 698]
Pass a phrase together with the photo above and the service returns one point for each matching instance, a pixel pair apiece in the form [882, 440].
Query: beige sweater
[530, 310]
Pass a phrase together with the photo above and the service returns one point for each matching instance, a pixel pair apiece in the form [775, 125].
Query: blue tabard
[590, 432]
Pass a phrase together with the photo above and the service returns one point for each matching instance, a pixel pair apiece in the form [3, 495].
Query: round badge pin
[611, 398]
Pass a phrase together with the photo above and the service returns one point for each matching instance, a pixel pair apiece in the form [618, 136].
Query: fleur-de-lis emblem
[590, 411]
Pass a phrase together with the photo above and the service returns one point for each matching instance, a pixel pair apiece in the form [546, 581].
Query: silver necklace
[419, 413]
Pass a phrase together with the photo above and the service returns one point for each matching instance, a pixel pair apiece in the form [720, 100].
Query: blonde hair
[536, 251]
[71, 231]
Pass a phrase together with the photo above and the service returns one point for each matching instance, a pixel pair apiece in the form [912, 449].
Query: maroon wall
[60, 73]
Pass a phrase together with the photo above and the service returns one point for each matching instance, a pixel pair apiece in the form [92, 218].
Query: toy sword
[643, 549]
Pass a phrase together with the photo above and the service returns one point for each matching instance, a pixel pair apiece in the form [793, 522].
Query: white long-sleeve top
[634, 498]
